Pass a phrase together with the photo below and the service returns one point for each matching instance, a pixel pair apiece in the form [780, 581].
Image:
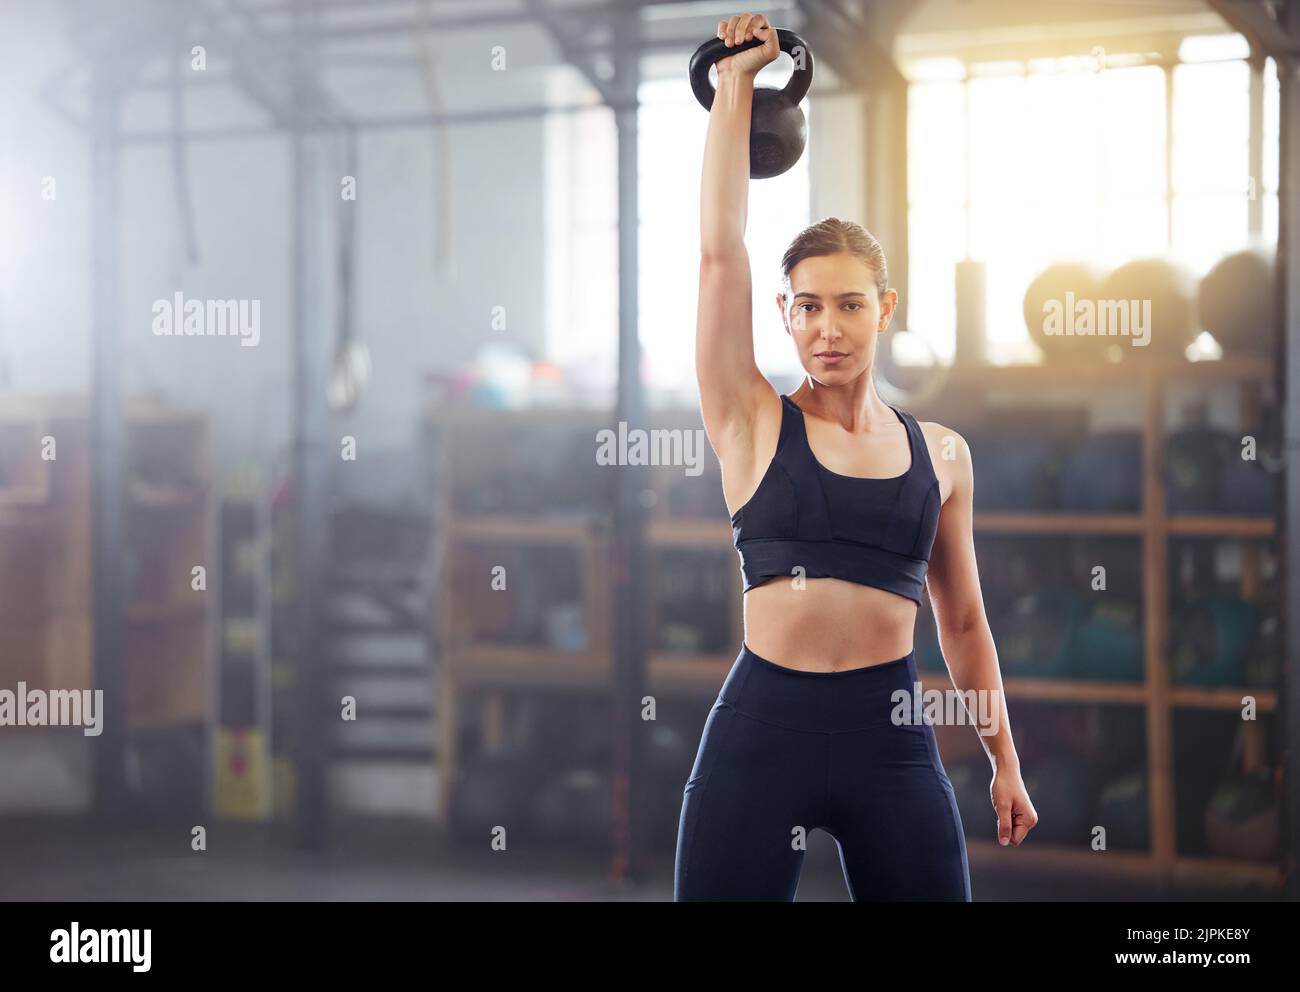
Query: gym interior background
[338, 551]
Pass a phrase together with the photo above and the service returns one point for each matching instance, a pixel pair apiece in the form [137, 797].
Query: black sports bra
[876, 532]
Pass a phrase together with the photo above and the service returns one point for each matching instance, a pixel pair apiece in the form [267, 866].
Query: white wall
[413, 318]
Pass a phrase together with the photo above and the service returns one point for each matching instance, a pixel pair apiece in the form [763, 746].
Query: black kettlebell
[777, 130]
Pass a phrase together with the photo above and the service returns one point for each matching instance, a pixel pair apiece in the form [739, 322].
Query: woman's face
[835, 315]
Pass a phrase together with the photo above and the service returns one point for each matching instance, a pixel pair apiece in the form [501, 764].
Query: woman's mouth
[831, 357]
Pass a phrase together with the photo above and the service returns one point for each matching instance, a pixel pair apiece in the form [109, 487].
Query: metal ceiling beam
[116, 51]
[463, 118]
[256, 51]
[572, 9]
[397, 26]
[248, 76]
[397, 61]
[849, 44]
[570, 14]
[256, 59]
[286, 6]
[150, 35]
[1261, 22]
[574, 49]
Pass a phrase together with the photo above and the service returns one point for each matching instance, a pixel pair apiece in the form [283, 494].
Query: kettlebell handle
[715, 50]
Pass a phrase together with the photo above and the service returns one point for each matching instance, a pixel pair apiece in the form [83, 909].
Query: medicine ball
[1209, 639]
[1108, 645]
[1034, 639]
[1122, 809]
[1159, 306]
[1247, 486]
[1241, 820]
[1104, 473]
[1264, 658]
[1195, 458]
[1056, 292]
[1016, 472]
[1237, 302]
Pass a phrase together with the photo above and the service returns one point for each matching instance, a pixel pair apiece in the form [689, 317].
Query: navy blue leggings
[785, 751]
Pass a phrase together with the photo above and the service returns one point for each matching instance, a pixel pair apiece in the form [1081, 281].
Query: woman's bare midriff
[829, 625]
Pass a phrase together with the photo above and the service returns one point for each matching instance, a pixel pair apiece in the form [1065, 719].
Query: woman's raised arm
[729, 381]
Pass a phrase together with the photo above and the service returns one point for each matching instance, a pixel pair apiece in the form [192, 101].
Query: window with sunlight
[673, 127]
[582, 224]
[1021, 164]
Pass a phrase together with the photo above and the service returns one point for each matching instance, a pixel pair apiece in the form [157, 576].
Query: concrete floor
[384, 860]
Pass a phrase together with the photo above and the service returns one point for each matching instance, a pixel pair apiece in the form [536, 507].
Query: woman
[840, 504]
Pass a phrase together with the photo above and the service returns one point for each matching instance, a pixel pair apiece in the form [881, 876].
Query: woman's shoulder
[940, 436]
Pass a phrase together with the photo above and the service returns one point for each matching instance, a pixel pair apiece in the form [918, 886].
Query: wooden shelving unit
[45, 568]
[1158, 697]
[465, 663]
